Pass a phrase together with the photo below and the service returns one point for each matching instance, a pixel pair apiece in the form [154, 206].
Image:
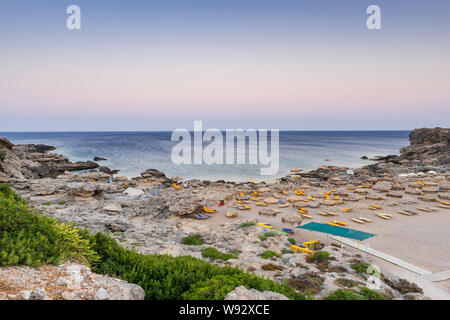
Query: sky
[284, 64]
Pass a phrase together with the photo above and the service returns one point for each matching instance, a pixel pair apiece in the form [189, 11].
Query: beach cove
[404, 200]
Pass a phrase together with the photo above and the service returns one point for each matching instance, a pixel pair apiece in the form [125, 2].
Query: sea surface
[134, 152]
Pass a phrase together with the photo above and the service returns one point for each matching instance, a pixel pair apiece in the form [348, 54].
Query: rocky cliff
[27, 161]
[427, 145]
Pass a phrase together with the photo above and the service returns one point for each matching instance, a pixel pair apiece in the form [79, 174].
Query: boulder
[152, 173]
[81, 189]
[133, 192]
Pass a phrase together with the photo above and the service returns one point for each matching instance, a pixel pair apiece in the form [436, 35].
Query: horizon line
[148, 131]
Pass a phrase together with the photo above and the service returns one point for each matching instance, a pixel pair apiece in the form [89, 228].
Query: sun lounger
[306, 216]
[202, 216]
[331, 213]
[208, 210]
[332, 224]
[265, 225]
[443, 206]
[284, 205]
[405, 213]
[276, 196]
[426, 209]
[231, 214]
[290, 231]
[300, 249]
[340, 223]
[357, 220]
[383, 216]
[261, 204]
[364, 219]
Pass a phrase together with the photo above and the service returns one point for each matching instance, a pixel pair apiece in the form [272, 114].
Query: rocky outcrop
[427, 145]
[35, 161]
[71, 281]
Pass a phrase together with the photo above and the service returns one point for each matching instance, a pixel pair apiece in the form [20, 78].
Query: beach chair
[263, 204]
[300, 249]
[312, 245]
[231, 214]
[357, 220]
[208, 210]
[202, 216]
[290, 231]
[383, 216]
[426, 209]
[177, 186]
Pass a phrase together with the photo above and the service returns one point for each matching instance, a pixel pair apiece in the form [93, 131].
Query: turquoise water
[134, 152]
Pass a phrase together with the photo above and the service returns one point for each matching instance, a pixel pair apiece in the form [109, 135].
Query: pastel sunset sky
[159, 65]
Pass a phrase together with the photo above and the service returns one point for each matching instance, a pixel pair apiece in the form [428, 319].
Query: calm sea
[134, 152]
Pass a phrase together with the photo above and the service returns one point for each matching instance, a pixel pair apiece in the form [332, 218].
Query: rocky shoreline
[152, 215]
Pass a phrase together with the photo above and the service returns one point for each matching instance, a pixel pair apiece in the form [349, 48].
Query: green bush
[269, 254]
[370, 294]
[46, 203]
[2, 156]
[360, 267]
[291, 240]
[194, 240]
[247, 224]
[174, 278]
[214, 254]
[62, 202]
[29, 238]
[364, 294]
[321, 256]
[286, 251]
[218, 287]
[266, 235]
[342, 294]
